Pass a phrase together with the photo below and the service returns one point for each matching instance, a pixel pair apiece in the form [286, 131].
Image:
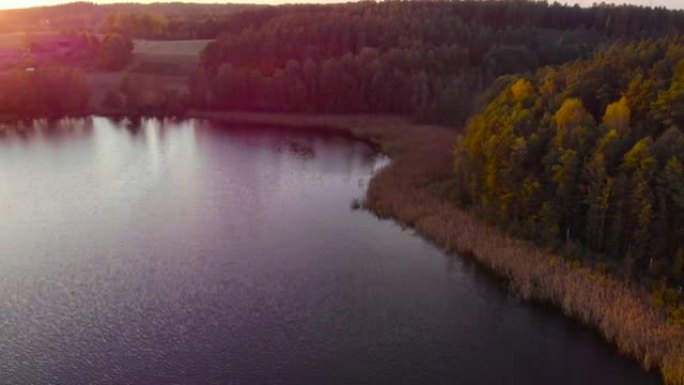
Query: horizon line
[653, 4]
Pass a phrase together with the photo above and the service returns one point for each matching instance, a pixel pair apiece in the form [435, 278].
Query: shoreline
[405, 191]
[408, 192]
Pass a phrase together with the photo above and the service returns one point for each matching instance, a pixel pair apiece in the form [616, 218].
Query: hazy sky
[678, 4]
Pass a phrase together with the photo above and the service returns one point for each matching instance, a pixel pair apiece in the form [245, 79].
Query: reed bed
[421, 158]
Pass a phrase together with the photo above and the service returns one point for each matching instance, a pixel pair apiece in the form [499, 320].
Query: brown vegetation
[407, 191]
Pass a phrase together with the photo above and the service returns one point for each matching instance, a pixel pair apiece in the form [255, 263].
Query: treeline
[429, 59]
[46, 92]
[368, 82]
[588, 157]
[145, 94]
[150, 25]
[170, 21]
[180, 20]
[140, 25]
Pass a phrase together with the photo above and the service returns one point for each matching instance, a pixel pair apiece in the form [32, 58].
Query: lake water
[174, 253]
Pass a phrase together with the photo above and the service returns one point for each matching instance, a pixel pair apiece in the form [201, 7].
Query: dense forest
[588, 157]
[427, 59]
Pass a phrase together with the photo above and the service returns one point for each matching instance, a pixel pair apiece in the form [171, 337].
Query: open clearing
[167, 57]
[171, 60]
[186, 48]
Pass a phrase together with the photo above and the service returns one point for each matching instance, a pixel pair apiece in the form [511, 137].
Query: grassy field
[12, 40]
[408, 191]
[167, 57]
[176, 48]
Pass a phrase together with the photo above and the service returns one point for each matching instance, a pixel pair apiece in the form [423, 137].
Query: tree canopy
[589, 153]
[426, 59]
[45, 92]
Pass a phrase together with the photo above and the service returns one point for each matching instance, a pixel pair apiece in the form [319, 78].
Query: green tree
[599, 187]
[115, 52]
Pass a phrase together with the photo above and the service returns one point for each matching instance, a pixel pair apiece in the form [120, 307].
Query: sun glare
[12, 4]
[26, 3]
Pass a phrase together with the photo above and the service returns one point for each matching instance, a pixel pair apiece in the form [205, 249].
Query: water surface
[191, 253]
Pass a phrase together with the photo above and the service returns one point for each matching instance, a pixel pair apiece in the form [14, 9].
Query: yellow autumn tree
[617, 116]
[573, 123]
[572, 113]
[522, 89]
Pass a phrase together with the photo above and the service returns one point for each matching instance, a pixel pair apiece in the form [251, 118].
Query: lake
[174, 253]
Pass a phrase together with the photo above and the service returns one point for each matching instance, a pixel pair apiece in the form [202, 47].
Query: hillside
[426, 59]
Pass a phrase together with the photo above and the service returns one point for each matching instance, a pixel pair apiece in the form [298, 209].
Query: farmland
[171, 61]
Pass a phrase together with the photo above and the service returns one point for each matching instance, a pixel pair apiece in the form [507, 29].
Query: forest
[50, 92]
[588, 157]
[574, 115]
[430, 60]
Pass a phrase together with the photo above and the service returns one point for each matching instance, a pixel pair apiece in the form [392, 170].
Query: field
[170, 60]
[12, 46]
[12, 40]
[166, 57]
[177, 48]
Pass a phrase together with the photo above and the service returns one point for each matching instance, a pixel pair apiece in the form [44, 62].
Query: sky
[7, 4]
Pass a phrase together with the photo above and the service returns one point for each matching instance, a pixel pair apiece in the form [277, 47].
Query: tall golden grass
[422, 157]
